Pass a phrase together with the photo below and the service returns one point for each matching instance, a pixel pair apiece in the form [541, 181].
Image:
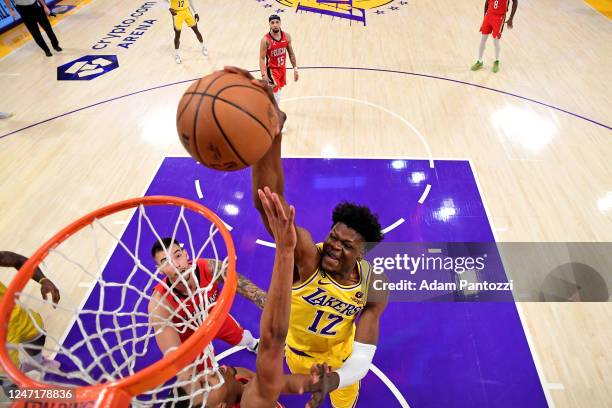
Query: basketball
[225, 122]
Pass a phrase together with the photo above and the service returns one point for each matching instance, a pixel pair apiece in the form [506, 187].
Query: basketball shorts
[183, 16]
[493, 23]
[278, 76]
[341, 398]
[231, 332]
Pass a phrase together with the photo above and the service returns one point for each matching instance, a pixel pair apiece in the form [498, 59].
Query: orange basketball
[225, 122]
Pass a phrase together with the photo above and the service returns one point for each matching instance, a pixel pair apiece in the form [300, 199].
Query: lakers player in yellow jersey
[22, 328]
[332, 320]
[183, 12]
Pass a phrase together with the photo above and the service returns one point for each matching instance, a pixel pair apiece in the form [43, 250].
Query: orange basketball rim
[120, 392]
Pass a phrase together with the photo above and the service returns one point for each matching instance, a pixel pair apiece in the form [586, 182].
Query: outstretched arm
[160, 316]
[245, 288]
[168, 340]
[251, 291]
[268, 383]
[13, 260]
[268, 172]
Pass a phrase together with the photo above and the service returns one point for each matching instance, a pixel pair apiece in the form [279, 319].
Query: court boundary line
[534, 355]
[315, 68]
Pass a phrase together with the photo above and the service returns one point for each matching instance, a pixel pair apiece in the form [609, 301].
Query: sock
[277, 97]
[497, 48]
[483, 42]
[247, 339]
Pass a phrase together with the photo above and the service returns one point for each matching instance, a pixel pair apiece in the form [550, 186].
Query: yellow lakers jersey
[21, 328]
[323, 313]
[179, 4]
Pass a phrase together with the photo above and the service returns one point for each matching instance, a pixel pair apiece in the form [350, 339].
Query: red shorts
[493, 23]
[231, 332]
[279, 76]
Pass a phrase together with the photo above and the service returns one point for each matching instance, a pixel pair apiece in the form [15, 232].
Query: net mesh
[111, 317]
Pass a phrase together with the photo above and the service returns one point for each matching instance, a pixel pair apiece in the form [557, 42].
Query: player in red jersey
[273, 50]
[493, 22]
[176, 261]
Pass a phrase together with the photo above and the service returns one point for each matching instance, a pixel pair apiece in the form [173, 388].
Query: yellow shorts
[183, 16]
[341, 398]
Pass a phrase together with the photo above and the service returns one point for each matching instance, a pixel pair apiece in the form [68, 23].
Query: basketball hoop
[104, 365]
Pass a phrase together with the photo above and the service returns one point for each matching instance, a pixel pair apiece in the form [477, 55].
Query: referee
[33, 13]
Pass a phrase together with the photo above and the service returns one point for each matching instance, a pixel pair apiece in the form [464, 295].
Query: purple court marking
[436, 354]
[338, 68]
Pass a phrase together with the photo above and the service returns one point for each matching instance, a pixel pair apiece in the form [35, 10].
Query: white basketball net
[116, 338]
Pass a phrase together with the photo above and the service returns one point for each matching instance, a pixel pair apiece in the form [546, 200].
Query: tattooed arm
[245, 288]
[251, 291]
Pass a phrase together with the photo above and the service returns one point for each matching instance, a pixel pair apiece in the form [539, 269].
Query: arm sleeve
[357, 365]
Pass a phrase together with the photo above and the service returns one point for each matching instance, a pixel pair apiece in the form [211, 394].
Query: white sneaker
[254, 348]
[177, 59]
[204, 50]
[5, 115]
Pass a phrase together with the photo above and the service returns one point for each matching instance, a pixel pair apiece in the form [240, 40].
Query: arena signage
[130, 30]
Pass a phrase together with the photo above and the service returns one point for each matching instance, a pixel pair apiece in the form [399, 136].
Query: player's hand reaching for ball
[509, 23]
[280, 220]
[263, 84]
